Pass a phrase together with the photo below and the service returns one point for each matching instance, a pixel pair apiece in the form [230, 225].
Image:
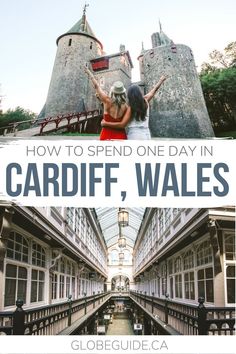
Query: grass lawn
[231, 133]
[78, 134]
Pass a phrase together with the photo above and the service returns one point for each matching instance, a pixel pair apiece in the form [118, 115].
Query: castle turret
[179, 109]
[141, 67]
[69, 90]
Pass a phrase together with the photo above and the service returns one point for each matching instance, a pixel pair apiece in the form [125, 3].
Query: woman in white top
[136, 118]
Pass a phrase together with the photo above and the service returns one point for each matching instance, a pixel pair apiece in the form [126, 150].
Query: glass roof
[108, 219]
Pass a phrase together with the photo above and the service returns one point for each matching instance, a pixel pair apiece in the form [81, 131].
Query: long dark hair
[137, 103]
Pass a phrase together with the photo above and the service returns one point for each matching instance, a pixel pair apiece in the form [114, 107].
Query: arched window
[17, 247]
[38, 255]
[62, 265]
[127, 256]
[188, 260]
[68, 267]
[178, 277]
[178, 265]
[204, 253]
[114, 257]
[170, 266]
[229, 247]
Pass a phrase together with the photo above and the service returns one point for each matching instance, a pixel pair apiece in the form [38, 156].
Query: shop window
[161, 221]
[61, 286]
[54, 286]
[178, 286]
[170, 266]
[204, 253]
[37, 285]
[163, 279]
[229, 241]
[83, 225]
[230, 279]
[17, 247]
[15, 284]
[158, 287]
[72, 269]
[167, 216]
[171, 287]
[62, 265]
[188, 260]
[73, 287]
[68, 267]
[178, 265]
[163, 286]
[77, 220]
[70, 212]
[68, 280]
[205, 284]
[189, 291]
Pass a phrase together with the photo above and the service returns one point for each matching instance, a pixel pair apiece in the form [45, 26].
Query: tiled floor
[120, 325]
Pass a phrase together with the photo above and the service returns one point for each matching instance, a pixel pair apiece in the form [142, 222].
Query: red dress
[108, 133]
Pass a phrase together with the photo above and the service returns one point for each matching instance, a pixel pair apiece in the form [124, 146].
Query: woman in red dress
[115, 107]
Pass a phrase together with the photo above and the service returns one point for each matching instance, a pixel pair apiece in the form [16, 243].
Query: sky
[29, 29]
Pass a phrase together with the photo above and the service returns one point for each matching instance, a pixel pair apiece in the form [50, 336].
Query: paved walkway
[120, 326]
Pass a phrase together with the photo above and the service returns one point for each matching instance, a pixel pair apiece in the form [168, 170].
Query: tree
[225, 59]
[17, 115]
[218, 79]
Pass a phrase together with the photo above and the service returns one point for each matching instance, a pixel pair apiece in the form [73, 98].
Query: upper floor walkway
[117, 313]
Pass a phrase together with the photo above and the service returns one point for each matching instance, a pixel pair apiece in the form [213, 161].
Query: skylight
[108, 219]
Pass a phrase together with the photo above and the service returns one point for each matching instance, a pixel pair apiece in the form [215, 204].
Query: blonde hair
[118, 99]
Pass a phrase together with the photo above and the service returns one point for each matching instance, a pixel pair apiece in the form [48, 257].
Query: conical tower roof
[83, 28]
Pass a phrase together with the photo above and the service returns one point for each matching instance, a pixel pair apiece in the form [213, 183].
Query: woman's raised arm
[102, 95]
[151, 93]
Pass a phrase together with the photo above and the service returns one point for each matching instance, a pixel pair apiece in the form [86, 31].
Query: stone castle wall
[178, 109]
[119, 70]
[70, 89]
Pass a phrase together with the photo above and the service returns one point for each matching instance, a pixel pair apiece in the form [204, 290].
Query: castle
[178, 110]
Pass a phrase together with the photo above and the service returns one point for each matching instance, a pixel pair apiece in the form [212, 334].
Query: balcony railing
[48, 320]
[189, 319]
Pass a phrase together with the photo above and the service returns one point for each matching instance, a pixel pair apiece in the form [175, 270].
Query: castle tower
[141, 66]
[179, 109]
[70, 89]
[113, 67]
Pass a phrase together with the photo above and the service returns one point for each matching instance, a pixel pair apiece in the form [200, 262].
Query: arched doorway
[120, 283]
